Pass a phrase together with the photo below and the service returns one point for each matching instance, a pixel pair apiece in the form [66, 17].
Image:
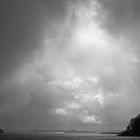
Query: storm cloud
[72, 64]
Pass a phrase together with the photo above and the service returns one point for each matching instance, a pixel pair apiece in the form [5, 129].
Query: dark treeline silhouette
[133, 129]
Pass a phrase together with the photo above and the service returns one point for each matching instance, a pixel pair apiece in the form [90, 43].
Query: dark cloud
[122, 18]
[22, 24]
[22, 31]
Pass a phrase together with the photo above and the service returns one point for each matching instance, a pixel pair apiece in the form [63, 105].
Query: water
[62, 136]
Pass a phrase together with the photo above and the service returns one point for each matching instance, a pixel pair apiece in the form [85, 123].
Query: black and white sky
[69, 64]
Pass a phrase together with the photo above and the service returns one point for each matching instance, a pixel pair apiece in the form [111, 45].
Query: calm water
[63, 136]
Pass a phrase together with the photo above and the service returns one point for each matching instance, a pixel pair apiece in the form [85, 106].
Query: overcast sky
[69, 64]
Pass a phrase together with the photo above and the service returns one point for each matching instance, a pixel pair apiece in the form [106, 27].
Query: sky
[69, 64]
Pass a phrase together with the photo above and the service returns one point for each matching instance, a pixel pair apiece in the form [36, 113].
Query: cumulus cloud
[96, 66]
[82, 68]
[61, 111]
